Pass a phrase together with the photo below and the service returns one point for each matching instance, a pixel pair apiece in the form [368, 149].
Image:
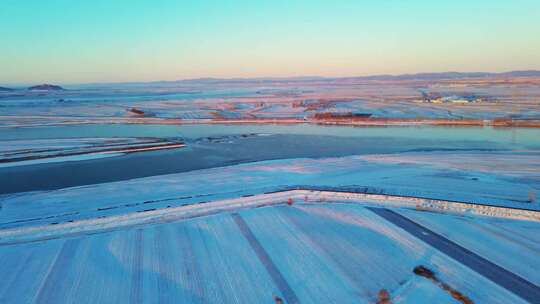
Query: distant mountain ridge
[382, 77]
[449, 75]
[46, 87]
[417, 76]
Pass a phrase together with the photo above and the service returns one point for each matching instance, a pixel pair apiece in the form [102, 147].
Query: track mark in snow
[137, 269]
[48, 293]
[267, 262]
[500, 276]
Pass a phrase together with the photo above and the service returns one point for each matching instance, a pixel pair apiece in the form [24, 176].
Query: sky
[66, 41]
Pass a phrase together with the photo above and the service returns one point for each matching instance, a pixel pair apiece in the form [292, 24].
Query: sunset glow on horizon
[105, 41]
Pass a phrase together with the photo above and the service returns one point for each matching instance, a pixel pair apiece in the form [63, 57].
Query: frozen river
[210, 146]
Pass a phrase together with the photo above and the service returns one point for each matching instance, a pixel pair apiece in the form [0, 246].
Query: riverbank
[37, 121]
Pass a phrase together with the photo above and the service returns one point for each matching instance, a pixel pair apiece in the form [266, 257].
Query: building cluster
[455, 99]
[450, 99]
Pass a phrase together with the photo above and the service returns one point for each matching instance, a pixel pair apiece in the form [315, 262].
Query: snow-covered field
[521, 241]
[521, 163]
[208, 99]
[421, 180]
[37, 151]
[335, 253]
[162, 238]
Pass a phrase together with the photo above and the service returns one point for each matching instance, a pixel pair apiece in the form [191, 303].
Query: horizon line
[270, 78]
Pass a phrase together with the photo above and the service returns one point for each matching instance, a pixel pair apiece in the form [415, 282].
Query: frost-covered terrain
[218, 228]
[38, 151]
[62, 205]
[487, 97]
[337, 253]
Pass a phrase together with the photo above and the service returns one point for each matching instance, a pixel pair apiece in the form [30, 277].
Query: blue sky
[70, 41]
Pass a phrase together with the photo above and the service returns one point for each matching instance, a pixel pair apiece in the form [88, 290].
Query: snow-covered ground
[37, 151]
[129, 242]
[521, 249]
[58, 159]
[322, 253]
[420, 180]
[523, 163]
[271, 99]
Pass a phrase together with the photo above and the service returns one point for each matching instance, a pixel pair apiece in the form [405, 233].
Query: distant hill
[303, 79]
[449, 75]
[425, 76]
[529, 73]
[3, 89]
[46, 87]
[419, 76]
